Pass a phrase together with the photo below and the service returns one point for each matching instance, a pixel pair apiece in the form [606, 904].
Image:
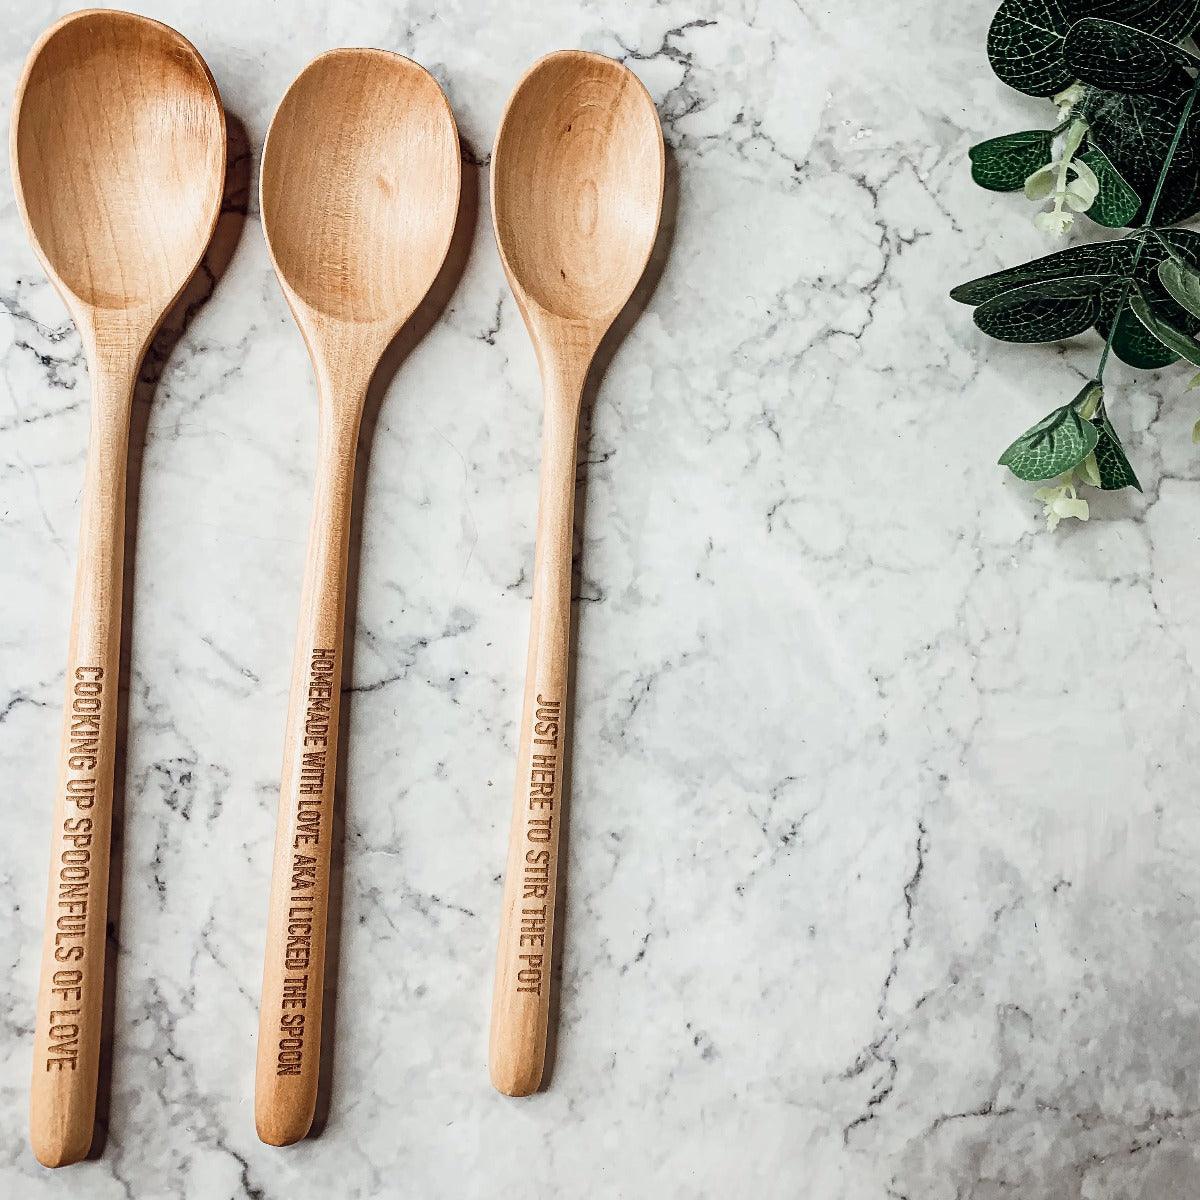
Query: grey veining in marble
[883, 844]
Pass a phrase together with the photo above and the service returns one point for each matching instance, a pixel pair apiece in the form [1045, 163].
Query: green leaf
[1041, 315]
[1135, 131]
[1003, 164]
[1132, 342]
[1180, 199]
[1135, 345]
[1043, 312]
[1025, 44]
[1160, 246]
[1185, 243]
[1108, 54]
[1117, 202]
[1055, 445]
[1115, 470]
[1182, 284]
[1174, 339]
[1170, 19]
[1112, 259]
[1025, 41]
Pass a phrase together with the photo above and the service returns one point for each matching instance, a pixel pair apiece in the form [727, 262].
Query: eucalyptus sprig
[1124, 150]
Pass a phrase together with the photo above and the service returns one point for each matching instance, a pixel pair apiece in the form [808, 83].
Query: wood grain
[118, 161]
[360, 184]
[577, 184]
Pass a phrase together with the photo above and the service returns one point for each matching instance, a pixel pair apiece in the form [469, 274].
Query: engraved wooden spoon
[118, 162]
[577, 184]
[360, 187]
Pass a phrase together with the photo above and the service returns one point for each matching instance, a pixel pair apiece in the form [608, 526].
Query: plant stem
[1154, 199]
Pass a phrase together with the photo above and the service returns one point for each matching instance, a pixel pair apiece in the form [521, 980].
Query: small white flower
[1040, 185]
[1054, 222]
[1084, 188]
[1060, 503]
[1071, 185]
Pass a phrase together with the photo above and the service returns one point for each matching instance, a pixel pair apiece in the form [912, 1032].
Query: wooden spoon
[360, 187]
[577, 184]
[118, 161]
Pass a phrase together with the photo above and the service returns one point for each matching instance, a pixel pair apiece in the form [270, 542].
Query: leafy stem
[1146, 223]
[1124, 77]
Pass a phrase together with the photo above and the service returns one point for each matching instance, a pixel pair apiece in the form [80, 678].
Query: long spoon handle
[524, 961]
[66, 1042]
[289, 1029]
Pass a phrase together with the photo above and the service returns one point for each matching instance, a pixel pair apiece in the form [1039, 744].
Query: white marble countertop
[883, 850]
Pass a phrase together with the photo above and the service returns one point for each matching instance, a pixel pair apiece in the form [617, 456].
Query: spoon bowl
[118, 162]
[332, 176]
[577, 184]
[119, 185]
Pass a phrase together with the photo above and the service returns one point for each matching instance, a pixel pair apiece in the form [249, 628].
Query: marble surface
[883, 854]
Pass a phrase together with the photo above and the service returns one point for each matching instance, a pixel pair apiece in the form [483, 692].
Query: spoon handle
[524, 961]
[66, 1041]
[289, 1030]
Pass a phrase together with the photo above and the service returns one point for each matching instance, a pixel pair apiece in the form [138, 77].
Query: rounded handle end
[282, 1126]
[59, 1147]
[515, 1076]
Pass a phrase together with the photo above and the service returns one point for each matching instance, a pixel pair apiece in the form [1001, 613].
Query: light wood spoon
[118, 161]
[360, 186]
[577, 185]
